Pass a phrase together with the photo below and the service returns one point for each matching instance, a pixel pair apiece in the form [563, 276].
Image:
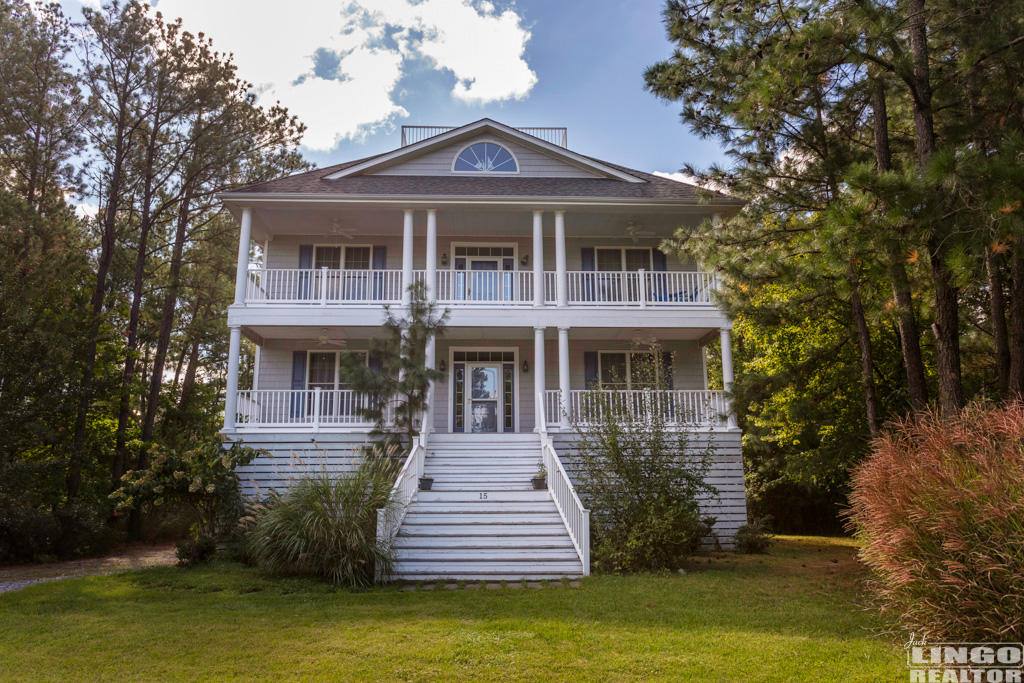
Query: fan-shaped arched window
[485, 157]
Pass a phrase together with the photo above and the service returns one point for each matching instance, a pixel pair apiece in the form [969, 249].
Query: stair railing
[389, 519]
[575, 517]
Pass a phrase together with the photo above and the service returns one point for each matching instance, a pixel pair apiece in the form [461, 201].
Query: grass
[793, 615]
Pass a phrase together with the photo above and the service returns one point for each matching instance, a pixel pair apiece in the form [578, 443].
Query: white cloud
[374, 41]
[681, 177]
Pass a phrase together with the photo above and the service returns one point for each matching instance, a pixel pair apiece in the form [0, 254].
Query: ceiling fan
[324, 339]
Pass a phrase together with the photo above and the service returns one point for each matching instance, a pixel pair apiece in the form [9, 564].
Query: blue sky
[356, 70]
[589, 59]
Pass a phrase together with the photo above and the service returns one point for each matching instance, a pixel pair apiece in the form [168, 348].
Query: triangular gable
[559, 161]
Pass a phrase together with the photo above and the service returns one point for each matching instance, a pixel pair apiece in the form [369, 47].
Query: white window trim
[515, 256]
[450, 427]
[622, 258]
[485, 173]
[629, 360]
[337, 362]
[343, 247]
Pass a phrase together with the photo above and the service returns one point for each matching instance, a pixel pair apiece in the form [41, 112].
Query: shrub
[754, 537]
[326, 526]
[939, 508]
[198, 474]
[195, 550]
[642, 481]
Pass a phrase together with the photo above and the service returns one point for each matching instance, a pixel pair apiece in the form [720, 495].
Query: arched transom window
[485, 157]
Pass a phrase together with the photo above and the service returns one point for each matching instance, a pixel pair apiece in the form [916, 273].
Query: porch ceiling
[260, 334]
[354, 223]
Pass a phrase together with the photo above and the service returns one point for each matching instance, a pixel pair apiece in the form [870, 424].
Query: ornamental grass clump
[325, 524]
[939, 508]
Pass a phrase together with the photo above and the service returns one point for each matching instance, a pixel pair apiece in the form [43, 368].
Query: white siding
[532, 163]
[729, 508]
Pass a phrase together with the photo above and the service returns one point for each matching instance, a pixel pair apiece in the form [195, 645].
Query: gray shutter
[590, 377]
[588, 261]
[298, 382]
[666, 364]
[305, 263]
[659, 260]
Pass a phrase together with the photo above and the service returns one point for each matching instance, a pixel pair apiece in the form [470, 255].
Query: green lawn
[793, 615]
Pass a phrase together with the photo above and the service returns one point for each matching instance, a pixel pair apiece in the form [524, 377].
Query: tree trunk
[997, 311]
[1016, 374]
[946, 327]
[190, 374]
[106, 257]
[867, 365]
[910, 339]
[166, 323]
[131, 353]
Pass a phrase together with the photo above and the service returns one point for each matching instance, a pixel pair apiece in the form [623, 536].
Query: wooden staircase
[483, 520]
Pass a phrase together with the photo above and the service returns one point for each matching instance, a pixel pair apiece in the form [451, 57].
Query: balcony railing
[554, 135]
[469, 287]
[678, 408]
[480, 287]
[301, 407]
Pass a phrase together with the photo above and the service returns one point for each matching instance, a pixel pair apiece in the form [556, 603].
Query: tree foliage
[882, 244]
[112, 335]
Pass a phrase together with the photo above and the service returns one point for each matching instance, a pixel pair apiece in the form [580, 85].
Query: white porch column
[538, 258]
[539, 376]
[563, 377]
[231, 393]
[407, 247]
[431, 269]
[242, 274]
[562, 284]
[727, 373]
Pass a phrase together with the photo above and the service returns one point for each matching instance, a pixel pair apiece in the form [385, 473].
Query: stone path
[488, 585]
[125, 559]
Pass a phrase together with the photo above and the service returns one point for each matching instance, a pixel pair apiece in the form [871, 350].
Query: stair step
[513, 569]
[473, 518]
[435, 542]
[470, 494]
[484, 506]
[470, 577]
[484, 466]
[482, 530]
[486, 555]
[471, 486]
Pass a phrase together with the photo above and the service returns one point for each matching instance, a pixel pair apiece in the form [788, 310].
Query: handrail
[677, 407]
[327, 286]
[389, 519]
[570, 508]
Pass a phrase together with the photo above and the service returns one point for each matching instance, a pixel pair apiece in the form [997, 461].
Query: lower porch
[518, 380]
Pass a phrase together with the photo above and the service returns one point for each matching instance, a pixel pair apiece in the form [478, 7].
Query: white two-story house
[549, 264]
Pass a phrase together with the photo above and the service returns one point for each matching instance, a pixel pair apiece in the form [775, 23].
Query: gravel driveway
[125, 559]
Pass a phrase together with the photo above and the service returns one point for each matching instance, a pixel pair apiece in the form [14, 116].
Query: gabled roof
[347, 181]
[475, 129]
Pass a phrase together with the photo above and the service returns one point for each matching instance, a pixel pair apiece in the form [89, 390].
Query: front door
[483, 283]
[483, 397]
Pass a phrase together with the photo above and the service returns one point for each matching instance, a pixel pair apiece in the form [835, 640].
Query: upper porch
[469, 257]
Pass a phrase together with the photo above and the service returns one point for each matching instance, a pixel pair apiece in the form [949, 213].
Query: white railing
[485, 287]
[575, 517]
[305, 407]
[640, 288]
[678, 408]
[480, 287]
[554, 135]
[323, 286]
[389, 519]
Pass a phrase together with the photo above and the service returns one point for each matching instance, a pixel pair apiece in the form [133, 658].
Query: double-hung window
[612, 265]
[323, 371]
[627, 370]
